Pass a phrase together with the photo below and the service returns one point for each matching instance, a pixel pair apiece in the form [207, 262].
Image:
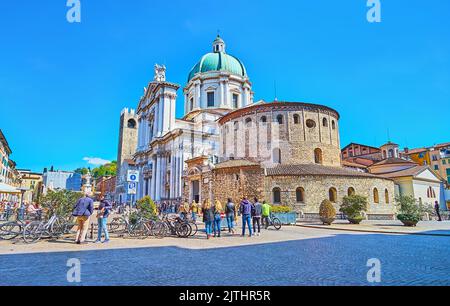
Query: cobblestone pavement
[293, 256]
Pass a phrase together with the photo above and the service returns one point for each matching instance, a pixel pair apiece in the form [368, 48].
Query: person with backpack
[82, 211]
[102, 217]
[246, 212]
[256, 214]
[230, 212]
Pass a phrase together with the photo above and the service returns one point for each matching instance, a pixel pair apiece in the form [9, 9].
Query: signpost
[132, 182]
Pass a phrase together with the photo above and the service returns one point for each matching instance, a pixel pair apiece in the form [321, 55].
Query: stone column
[158, 178]
[221, 94]
[228, 101]
[156, 121]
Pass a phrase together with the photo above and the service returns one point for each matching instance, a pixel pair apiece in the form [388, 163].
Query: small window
[376, 196]
[300, 195]
[235, 101]
[386, 196]
[325, 122]
[351, 191]
[236, 125]
[248, 122]
[332, 194]
[318, 158]
[296, 119]
[263, 119]
[310, 123]
[276, 156]
[276, 195]
[210, 99]
[131, 124]
[280, 119]
[333, 124]
[191, 104]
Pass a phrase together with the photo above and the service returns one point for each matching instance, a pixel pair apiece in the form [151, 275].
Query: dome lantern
[219, 45]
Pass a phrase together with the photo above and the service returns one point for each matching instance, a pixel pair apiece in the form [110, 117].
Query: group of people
[27, 210]
[84, 210]
[254, 215]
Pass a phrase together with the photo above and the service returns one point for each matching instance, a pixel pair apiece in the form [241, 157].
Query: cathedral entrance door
[196, 191]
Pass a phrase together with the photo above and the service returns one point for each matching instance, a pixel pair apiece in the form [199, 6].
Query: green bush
[327, 210]
[281, 209]
[353, 206]
[146, 208]
[410, 210]
[60, 202]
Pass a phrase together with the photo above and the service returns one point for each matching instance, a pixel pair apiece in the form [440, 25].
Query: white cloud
[96, 161]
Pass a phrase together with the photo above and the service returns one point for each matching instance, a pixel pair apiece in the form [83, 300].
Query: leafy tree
[81, 171]
[410, 209]
[146, 207]
[60, 202]
[105, 170]
[353, 206]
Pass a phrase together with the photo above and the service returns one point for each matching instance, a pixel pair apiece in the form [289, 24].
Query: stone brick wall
[248, 137]
[317, 189]
[236, 183]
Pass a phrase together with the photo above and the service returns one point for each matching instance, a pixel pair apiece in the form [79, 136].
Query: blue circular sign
[133, 177]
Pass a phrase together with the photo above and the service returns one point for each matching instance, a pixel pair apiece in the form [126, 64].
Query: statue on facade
[160, 73]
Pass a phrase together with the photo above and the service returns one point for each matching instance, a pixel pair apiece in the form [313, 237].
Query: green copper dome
[218, 61]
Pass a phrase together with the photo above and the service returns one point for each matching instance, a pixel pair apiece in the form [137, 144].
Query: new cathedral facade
[226, 145]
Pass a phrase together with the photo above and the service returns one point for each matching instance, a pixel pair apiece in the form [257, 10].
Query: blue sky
[62, 85]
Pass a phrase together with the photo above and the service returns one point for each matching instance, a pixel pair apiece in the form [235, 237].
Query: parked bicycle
[55, 227]
[177, 226]
[275, 222]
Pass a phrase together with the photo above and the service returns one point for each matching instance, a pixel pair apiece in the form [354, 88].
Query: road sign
[132, 188]
[133, 176]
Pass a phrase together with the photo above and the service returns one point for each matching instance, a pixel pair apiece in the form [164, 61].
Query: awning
[5, 188]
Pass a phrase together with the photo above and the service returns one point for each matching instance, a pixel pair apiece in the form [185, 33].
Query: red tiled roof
[413, 171]
[351, 164]
[393, 160]
[312, 169]
[415, 151]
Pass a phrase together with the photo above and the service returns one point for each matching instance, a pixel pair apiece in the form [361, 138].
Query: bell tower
[128, 135]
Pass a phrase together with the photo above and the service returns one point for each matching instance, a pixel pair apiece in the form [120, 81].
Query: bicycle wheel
[182, 230]
[136, 230]
[194, 228]
[32, 233]
[10, 230]
[276, 223]
[57, 229]
[159, 230]
[115, 225]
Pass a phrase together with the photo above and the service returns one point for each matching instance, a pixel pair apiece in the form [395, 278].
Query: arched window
[263, 119]
[386, 196]
[276, 156]
[280, 119]
[276, 195]
[391, 153]
[351, 191]
[318, 159]
[296, 119]
[325, 122]
[236, 125]
[333, 124]
[248, 122]
[332, 195]
[376, 196]
[131, 124]
[300, 195]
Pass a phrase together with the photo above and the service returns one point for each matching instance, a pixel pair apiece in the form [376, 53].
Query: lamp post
[22, 208]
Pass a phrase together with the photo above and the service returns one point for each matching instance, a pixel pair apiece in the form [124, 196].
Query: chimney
[406, 150]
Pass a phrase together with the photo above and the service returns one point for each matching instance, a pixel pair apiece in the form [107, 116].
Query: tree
[60, 202]
[352, 206]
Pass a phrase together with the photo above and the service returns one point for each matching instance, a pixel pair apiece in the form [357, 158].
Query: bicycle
[53, 228]
[177, 226]
[12, 229]
[275, 222]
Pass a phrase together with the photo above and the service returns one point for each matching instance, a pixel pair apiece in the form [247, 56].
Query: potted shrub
[353, 206]
[327, 212]
[285, 214]
[410, 211]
